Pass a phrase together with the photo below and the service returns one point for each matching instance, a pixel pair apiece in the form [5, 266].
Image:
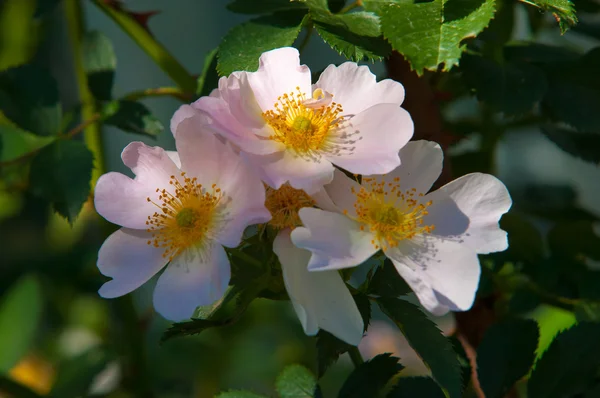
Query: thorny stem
[92, 133]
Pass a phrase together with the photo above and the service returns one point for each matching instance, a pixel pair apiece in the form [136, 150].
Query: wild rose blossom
[181, 208]
[432, 238]
[321, 299]
[294, 131]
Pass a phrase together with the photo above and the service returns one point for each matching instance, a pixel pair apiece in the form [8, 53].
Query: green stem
[159, 92]
[153, 48]
[355, 356]
[92, 134]
[357, 3]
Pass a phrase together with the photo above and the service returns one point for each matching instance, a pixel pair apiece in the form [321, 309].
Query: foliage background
[57, 334]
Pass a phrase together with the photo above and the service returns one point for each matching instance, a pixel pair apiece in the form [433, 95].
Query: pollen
[309, 127]
[284, 204]
[389, 212]
[187, 213]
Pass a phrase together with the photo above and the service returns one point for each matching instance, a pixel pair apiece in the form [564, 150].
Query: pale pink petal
[174, 156]
[483, 199]
[192, 279]
[335, 240]
[321, 299]
[279, 168]
[421, 166]
[340, 190]
[377, 134]
[356, 88]
[442, 272]
[152, 166]
[184, 112]
[279, 72]
[124, 201]
[126, 257]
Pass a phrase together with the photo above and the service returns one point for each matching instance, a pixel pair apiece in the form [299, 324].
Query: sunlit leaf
[296, 381]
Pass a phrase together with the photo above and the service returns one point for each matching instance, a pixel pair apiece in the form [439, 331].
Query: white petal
[126, 257]
[421, 166]
[335, 240]
[277, 169]
[321, 299]
[279, 72]
[443, 273]
[151, 165]
[192, 280]
[445, 216]
[356, 88]
[124, 201]
[483, 199]
[340, 190]
[378, 134]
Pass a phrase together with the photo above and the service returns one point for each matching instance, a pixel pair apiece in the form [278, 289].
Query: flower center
[392, 214]
[284, 204]
[308, 127]
[186, 217]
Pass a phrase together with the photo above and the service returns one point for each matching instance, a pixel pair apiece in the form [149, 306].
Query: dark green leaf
[133, 117]
[563, 11]
[510, 88]
[525, 240]
[75, 376]
[364, 307]
[296, 382]
[570, 364]
[463, 359]
[429, 34]
[20, 312]
[585, 146]
[263, 6]
[369, 379]
[45, 6]
[336, 5]
[32, 100]
[411, 387]
[587, 311]
[505, 355]
[356, 36]
[17, 142]
[575, 238]
[243, 45]
[16, 389]
[239, 394]
[99, 61]
[427, 340]
[386, 282]
[60, 173]
[329, 349]
[209, 78]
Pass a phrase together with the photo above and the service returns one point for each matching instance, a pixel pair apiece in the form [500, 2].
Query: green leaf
[18, 32]
[224, 312]
[356, 36]
[17, 142]
[61, 173]
[329, 349]
[410, 387]
[369, 379]
[263, 6]
[364, 307]
[505, 355]
[429, 34]
[563, 11]
[20, 313]
[510, 87]
[386, 282]
[209, 78]
[587, 311]
[585, 146]
[464, 360]
[525, 241]
[75, 375]
[296, 382]
[427, 340]
[575, 238]
[133, 117]
[243, 45]
[99, 61]
[240, 394]
[32, 100]
[570, 364]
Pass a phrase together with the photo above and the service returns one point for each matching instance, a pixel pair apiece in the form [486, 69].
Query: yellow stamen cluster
[186, 216]
[284, 204]
[391, 214]
[305, 129]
